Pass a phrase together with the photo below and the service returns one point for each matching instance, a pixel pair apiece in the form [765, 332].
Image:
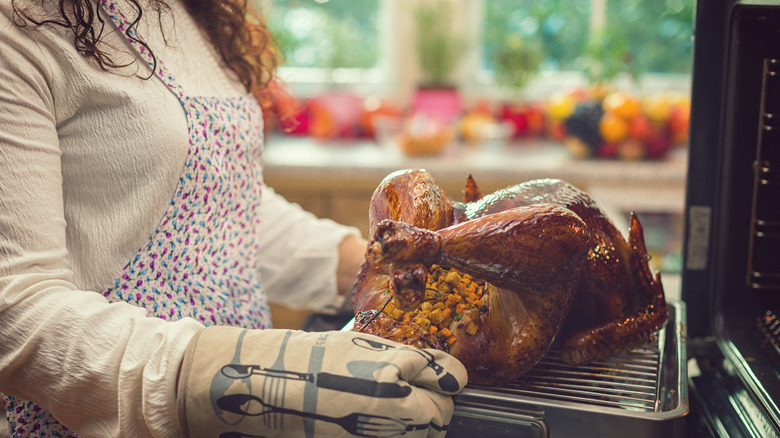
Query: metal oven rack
[637, 394]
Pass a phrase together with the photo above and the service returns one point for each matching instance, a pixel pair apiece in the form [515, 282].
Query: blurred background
[596, 92]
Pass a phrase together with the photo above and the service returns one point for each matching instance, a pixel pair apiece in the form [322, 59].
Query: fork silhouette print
[363, 425]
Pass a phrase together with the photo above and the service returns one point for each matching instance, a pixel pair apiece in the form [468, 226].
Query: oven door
[731, 276]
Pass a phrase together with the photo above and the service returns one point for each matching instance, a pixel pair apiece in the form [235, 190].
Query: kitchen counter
[336, 179]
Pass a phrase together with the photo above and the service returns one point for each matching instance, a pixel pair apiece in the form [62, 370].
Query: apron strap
[133, 38]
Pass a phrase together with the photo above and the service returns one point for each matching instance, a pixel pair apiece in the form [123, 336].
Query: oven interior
[731, 273]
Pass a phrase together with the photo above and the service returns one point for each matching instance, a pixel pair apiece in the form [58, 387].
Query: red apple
[640, 128]
[517, 115]
[658, 145]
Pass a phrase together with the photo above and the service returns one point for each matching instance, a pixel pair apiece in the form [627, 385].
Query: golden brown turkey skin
[541, 245]
[644, 305]
[413, 197]
[619, 303]
[531, 255]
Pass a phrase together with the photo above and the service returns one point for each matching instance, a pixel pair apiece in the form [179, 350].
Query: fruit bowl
[414, 135]
[621, 125]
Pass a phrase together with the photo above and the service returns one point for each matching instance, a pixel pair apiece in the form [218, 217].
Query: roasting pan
[638, 394]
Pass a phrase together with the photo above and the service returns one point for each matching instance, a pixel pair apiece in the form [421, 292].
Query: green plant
[606, 56]
[516, 62]
[439, 48]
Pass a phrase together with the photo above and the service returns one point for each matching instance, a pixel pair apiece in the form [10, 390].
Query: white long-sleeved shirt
[89, 160]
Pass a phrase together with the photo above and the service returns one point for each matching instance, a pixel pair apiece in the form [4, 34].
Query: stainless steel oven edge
[597, 400]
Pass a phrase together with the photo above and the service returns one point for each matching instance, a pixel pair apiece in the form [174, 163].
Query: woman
[135, 228]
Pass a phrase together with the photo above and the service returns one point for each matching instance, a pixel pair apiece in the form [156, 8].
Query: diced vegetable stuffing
[448, 294]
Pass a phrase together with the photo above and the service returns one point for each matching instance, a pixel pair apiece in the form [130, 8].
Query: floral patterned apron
[201, 261]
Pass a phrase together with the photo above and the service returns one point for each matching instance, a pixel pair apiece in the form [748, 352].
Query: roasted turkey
[497, 279]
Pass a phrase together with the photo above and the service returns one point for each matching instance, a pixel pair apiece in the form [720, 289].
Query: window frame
[396, 78]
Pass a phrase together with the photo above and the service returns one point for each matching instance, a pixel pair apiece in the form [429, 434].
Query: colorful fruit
[321, 123]
[556, 130]
[657, 108]
[622, 104]
[474, 124]
[517, 116]
[527, 119]
[658, 146]
[577, 147]
[536, 120]
[608, 150]
[640, 128]
[561, 106]
[679, 120]
[613, 128]
[584, 124]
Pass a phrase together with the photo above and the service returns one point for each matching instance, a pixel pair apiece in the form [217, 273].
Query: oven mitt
[262, 383]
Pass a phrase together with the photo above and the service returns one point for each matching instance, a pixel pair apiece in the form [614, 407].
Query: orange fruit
[613, 128]
[622, 104]
[679, 118]
[322, 125]
[473, 125]
[679, 121]
[373, 107]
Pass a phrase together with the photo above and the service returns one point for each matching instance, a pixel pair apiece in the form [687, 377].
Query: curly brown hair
[236, 30]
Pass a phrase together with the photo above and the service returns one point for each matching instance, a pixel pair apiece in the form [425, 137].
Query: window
[576, 41]
[554, 27]
[371, 43]
[330, 42]
[657, 34]
[327, 33]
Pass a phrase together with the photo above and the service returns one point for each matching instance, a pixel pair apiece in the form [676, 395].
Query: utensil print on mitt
[447, 381]
[243, 383]
[273, 390]
[364, 425]
[335, 382]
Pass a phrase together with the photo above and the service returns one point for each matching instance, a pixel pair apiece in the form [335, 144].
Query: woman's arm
[306, 261]
[352, 251]
[102, 369]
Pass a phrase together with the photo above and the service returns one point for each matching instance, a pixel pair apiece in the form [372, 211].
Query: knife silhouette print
[352, 385]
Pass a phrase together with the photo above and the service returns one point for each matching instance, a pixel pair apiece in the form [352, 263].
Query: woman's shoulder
[46, 18]
[20, 11]
[19, 19]
[16, 31]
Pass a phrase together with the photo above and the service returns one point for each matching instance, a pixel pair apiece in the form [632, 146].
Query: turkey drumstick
[512, 248]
